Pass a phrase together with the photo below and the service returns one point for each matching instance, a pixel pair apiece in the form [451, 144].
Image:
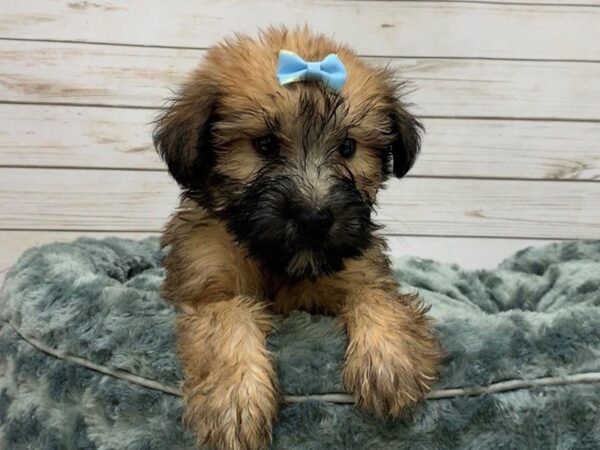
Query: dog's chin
[282, 251]
[305, 262]
[310, 263]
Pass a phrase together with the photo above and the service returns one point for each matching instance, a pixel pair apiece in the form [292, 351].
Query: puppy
[279, 175]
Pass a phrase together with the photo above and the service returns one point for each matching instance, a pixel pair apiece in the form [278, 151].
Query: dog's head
[293, 171]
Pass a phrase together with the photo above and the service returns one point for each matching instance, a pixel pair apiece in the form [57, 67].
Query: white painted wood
[566, 3]
[519, 89]
[493, 208]
[470, 253]
[388, 28]
[92, 74]
[461, 55]
[64, 136]
[133, 76]
[59, 199]
[510, 149]
[85, 199]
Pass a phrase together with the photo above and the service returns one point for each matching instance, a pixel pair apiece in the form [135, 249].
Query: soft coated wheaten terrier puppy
[280, 145]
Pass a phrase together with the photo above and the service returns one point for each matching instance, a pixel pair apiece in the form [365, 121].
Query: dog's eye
[266, 145]
[348, 148]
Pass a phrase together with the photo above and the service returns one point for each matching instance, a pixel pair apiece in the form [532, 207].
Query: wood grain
[469, 253]
[457, 29]
[493, 208]
[104, 200]
[464, 251]
[510, 149]
[85, 200]
[566, 3]
[145, 77]
[513, 64]
[64, 136]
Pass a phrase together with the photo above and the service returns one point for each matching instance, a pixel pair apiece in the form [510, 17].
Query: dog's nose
[312, 220]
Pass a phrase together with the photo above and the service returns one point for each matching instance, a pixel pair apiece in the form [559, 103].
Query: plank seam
[425, 116]
[385, 234]
[492, 2]
[160, 170]
[370, 56]
[426, 177]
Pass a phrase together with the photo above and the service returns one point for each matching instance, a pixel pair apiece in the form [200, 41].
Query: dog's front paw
[386, 383]
[234, 413]
[391, 361]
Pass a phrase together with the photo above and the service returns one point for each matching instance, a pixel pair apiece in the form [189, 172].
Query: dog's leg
[229, 384]
[392, 354]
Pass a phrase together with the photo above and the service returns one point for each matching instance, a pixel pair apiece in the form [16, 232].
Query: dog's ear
[182, 133]
[406, 132]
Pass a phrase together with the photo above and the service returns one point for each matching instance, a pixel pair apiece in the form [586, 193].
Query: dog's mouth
[296, 241]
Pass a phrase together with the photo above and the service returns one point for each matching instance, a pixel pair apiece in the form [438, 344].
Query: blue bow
[292, 68]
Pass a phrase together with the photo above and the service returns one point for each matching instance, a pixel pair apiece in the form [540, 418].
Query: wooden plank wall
[509, 93]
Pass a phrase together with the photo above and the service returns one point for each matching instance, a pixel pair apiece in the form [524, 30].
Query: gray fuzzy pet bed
[87, 360]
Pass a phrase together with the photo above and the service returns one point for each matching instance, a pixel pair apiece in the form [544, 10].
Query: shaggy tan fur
[226, 297]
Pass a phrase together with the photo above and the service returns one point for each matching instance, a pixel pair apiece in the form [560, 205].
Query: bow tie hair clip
[291, 68]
